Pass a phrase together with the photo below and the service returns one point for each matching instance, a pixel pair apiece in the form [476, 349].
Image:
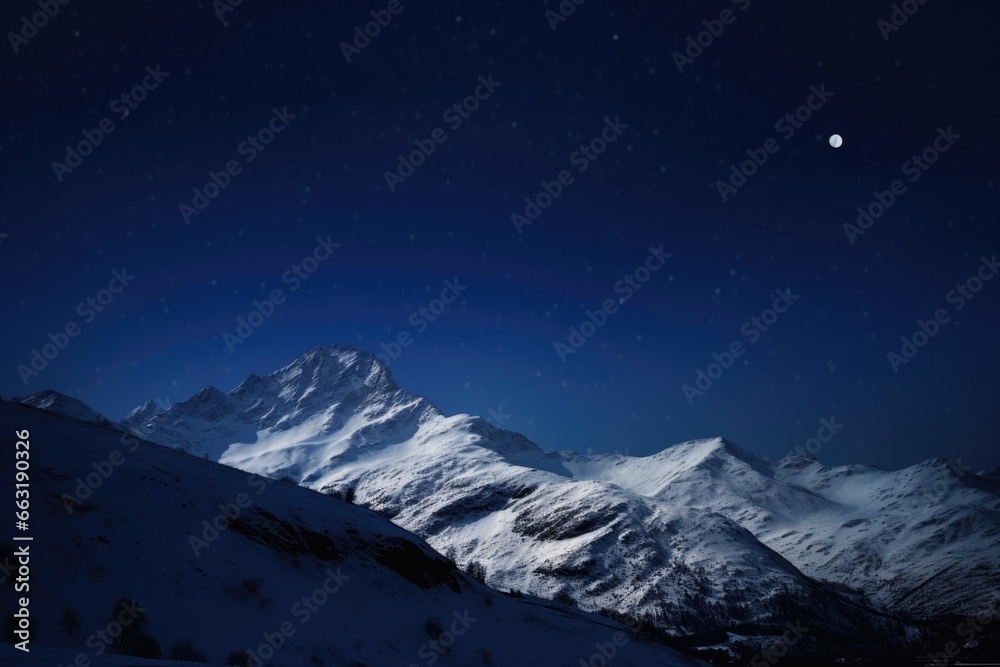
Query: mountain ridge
[230, 561]
[671, 535]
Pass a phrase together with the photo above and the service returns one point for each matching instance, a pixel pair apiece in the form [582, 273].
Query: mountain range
[144, 556]
[703, 541]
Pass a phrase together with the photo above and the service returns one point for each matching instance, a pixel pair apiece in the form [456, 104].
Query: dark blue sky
[323, 176]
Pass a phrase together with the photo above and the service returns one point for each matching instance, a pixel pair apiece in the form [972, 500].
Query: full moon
[836, 141]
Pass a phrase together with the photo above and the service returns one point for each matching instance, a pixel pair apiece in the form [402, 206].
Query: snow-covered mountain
[701, 536]
[193, 557]
[142, 414]
[924, 541]
[53, 401]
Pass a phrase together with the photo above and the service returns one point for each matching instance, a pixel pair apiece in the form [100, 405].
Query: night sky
[267, 92]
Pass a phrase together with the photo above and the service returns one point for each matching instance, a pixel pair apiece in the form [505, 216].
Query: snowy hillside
[53, 401]
[700, 536]
[121, 525]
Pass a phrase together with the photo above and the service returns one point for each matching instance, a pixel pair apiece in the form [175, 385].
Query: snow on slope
[668, 536]
[923, 539]
[889, 534]
[141, 414]
[374, 587]
[66, 406]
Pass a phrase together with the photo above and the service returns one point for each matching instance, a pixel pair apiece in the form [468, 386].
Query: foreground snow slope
[376, 594]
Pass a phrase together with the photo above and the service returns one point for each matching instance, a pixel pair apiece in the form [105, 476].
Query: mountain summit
[314, 394]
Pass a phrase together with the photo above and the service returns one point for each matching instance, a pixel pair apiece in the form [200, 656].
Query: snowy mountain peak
[713, 455]
[330, 391]
[141, 414]
[61, 404]
[334, 367]
[209, 393]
